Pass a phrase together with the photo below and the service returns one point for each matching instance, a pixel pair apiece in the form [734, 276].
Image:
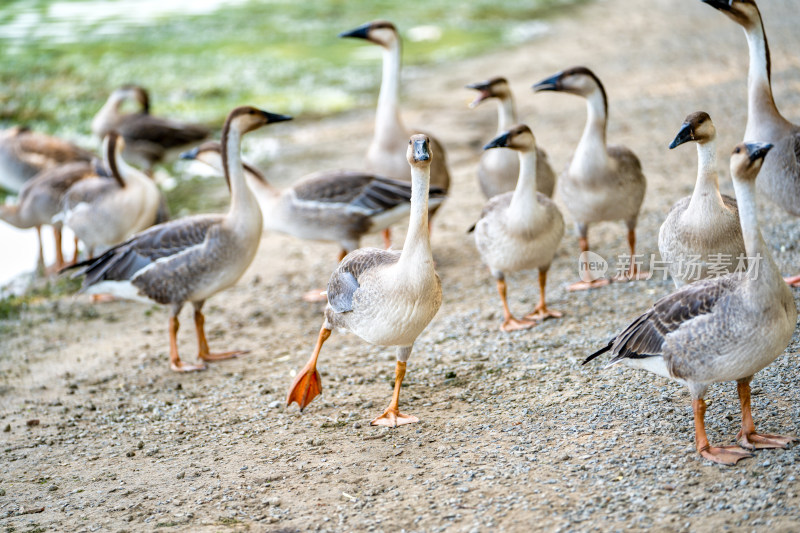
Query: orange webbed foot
[542, 313]
[793, 281]
[306, 386]
[725, 455]
[393, 418]
[586, 285]
[512, 324]
[759, 441]
[211, 357]
[180, 366]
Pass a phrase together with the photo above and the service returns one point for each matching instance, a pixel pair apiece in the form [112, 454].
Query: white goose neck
[763, 269]
[506, 114]
[707, 185]
[761, 109]
[591, 151]
[387, 117]
[524, 201]
[417, 239]
[242, 198]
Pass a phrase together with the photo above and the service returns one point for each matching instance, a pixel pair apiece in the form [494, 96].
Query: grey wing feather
[343, 283]
[162, 132]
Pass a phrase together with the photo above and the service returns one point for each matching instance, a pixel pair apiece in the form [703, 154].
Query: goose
[520, 230]
[25, 153]
[498, 169]
[148, 139]
[385, 297]
[720, 329]
[601, 182]
[40, 201]
[103, 212]
[386, 153]
[338, 206]
[780, 177]
[192, 258]
[701, 236]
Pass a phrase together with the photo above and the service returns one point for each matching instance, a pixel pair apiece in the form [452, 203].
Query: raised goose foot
[512, 324]
[306, 386]
[211, 357]
[542, 313]
[314, 296]
[180, 366]
[793, 281]
[725, 455]
[586, 285]
[758, 441]
[393, 418]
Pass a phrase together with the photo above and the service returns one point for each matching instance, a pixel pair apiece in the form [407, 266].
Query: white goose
[701, 236]
[720, 329]
[193, 258]
[601, 182]
[384, 297]
[520, 230]
[780, 177]
[498, 169]
[104, 212]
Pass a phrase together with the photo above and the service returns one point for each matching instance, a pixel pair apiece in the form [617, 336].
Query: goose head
[133, 93]
[247, 118]
[578, 80]
[696, 127]
[743, 12]
[380, 32]
[518, 138]
[747, 158]
[419, 151]
[493, 88]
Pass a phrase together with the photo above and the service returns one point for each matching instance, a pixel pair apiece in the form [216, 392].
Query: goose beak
[722, 5]
[274, 117]
[421, 151]
[483, 92]
[501, 141]
[190, 154]
[362, 32]
[756, 151]
[685, 135]
[553, 83]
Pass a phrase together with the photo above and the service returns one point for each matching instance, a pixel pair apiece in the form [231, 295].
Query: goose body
[520, 230]
[24, 154]
[338, 206]
[148, 139]
[720, 329]
[384, 297]
[601, 182]
[193, 258]
[498, 169]
[701, 236]
[103, 212]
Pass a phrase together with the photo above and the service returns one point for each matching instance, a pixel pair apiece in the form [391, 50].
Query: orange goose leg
[175, 362]
[633, 274]
[392, 417]
[202, 343]
[541, 312]
[586, 285]
[747, 437]
[509, 322]
[307, 383]
[59, 250]
[75, 253]
[724, 455]
[387, 238]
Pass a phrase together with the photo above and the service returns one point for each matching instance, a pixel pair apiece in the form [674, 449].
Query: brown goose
[601, 182]
[720, 329]
[385, 297]
[780, 177]
[193, 258]
[148, 139]
[498, 169]
[40, 201]
[386, 155]
[24, 153]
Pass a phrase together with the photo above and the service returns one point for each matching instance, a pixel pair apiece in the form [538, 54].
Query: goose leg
[202, 343]
[392, 417]
[587, 281]
[387, 238]
[633, 274]
[541, 312]
[40, 264]
[75, 253]
[175, 362]
[509, 322]
[747, 437]
[59, 252]
[724, 455]
[307, 383]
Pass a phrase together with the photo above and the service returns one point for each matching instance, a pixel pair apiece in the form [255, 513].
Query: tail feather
[599, 352]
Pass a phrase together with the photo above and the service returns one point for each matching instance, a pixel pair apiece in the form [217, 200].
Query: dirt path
[515, 434]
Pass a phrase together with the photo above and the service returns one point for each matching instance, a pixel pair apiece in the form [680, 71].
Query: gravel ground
[515, 434]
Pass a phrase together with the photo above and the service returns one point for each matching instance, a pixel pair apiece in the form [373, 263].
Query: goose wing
[645, 337]
[343, 283]
[167, 134]
[39, 150]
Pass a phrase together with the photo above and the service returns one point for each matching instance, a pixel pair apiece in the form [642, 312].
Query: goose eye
[737, 150]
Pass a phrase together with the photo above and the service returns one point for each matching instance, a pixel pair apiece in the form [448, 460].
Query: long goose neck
[506, 114]
[387, 118]
[707, 177]
[592, 146]
[242, 198]
[524, 201]
[760, 103]
[418, 239]
[763, 268]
